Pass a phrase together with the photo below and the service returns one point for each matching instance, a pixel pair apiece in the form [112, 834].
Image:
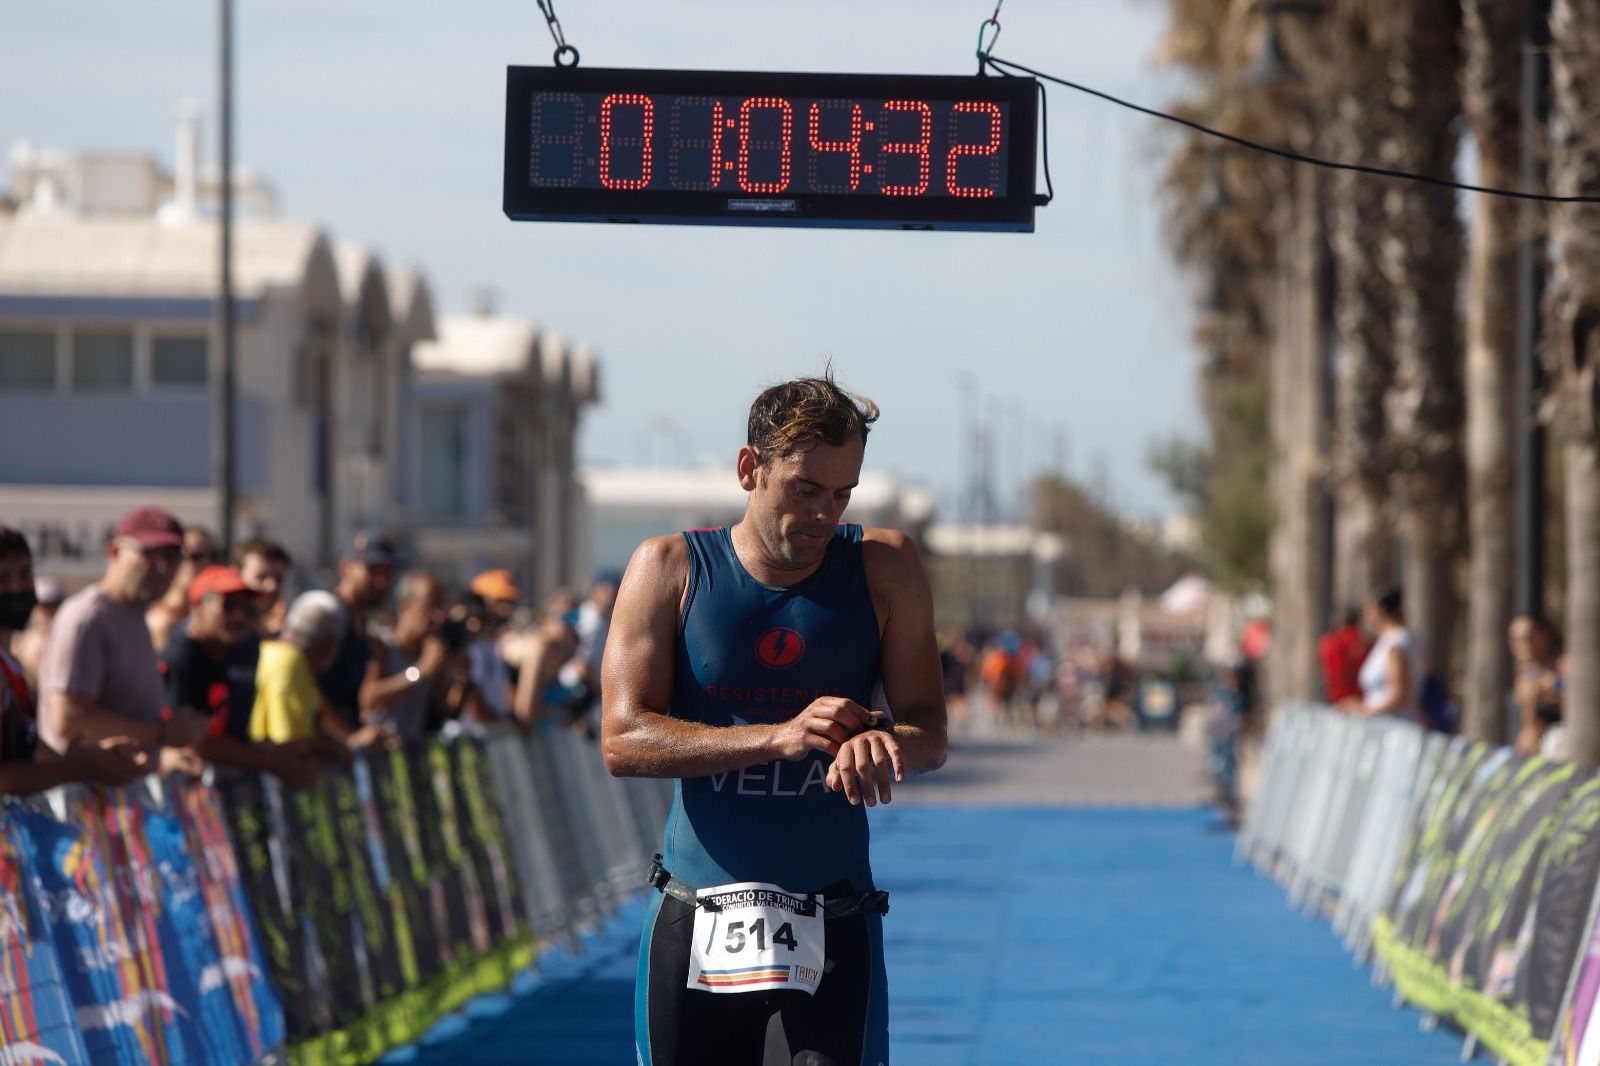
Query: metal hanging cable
[1007, 67]
[986, 50]
[564, 51]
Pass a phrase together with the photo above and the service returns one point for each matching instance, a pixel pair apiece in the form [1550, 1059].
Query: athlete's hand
[864, 767]
[823, 726]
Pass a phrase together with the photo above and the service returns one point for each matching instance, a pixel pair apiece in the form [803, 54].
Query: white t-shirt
[1374, 675]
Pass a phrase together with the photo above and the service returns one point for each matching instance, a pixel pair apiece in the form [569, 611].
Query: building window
[177, 361]
[27, 362]
[442, 440]
[102, 361]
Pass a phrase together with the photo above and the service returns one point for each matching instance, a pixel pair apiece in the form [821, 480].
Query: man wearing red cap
[99, 678]
[210, 667]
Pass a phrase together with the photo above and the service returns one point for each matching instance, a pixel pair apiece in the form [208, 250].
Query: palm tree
[1363, 314]
[1260, 256]
[1421, 254]
[1490, 83]
[1573, 349]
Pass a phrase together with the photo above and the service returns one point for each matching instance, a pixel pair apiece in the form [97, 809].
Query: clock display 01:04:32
[768, 145]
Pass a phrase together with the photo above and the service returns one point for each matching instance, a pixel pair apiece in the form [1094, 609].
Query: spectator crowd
[177, 658]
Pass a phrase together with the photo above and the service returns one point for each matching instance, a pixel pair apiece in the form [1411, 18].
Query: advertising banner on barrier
[1490, 999]
[1431, 863]
[1455, 910]
[1453, 767]
[37, 1023]
[407, 864]
[1414, 946]
[241, 967]
[217, 926]
[206, 1019]
[486, 839]
[256, 816]
[1482, 959]
[1562, 927]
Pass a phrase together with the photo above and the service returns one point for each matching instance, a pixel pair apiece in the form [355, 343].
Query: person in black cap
[365, 575]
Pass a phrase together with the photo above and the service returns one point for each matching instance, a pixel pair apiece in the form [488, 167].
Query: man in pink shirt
[99, 678]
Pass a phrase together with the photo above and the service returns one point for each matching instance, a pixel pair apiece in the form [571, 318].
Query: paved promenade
[1067, 903]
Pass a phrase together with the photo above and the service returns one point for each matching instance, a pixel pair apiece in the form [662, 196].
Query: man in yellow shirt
[288, 704]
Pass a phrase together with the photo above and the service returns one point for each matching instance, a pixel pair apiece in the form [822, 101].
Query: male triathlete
[742, 662]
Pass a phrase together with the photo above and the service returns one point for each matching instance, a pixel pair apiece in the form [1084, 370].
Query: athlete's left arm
[913, 683]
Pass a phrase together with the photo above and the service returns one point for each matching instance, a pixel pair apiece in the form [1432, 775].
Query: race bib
[751, 937]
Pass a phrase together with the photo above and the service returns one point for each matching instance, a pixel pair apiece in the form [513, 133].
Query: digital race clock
[763, 149]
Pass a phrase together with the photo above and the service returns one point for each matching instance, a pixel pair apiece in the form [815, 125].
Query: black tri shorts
[845, 1023]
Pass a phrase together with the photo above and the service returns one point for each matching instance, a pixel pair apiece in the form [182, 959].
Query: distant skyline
[383, 122]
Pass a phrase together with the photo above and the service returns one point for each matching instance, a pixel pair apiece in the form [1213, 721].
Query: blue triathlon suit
[750, 653]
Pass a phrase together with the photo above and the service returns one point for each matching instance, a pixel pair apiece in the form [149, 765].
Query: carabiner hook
[983, 31]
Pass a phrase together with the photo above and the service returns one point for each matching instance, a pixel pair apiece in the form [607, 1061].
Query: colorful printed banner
[223, 924]
[37, 1023]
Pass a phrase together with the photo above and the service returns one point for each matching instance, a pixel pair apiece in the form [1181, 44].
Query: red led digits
[988, 149]
[919, 148]
[555, 144]
[746, 111]
[609, 105]
[851, 148]
[681, 170]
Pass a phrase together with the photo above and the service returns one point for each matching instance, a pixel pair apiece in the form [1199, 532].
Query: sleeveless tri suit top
[751, 653]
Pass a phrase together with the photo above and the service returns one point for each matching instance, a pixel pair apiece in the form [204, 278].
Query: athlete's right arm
[638, 736]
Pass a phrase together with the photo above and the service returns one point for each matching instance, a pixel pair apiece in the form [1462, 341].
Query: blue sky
[383, 122]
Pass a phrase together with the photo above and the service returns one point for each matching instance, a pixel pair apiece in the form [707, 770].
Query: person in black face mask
[116, 761]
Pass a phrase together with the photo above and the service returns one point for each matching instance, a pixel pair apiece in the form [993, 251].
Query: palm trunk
[1490, 83]
[1490, 375]
[1364, 319]
[1583, 605]
[1423, 259]
[1298, 363]
[1573, 314]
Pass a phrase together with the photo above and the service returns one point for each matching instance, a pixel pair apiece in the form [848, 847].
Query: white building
[628, 505]
[108, 275]
[991, 576]
[497, 410]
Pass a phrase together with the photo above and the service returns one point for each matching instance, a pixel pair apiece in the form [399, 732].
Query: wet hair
[1390, 601]
[793, 417]
[269, 550]
[12, 542]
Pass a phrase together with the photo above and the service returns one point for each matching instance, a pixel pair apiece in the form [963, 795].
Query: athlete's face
[796, 502]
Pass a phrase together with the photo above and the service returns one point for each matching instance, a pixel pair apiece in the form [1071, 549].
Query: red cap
[223, 580]
[151, 527]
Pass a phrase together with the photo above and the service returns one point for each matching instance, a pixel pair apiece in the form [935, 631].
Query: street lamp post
[222, 388]
[1528, 596]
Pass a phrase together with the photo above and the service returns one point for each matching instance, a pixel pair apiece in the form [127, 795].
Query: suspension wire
[1044, 119]
[985, 51]
[547, 8]
[1009, 68]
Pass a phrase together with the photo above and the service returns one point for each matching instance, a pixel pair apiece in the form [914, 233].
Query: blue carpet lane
[1028, 937]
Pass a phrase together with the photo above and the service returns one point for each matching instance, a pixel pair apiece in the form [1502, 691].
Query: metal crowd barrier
[191, 924]
[1331, 807]
[580, 837]
[1466, 873]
